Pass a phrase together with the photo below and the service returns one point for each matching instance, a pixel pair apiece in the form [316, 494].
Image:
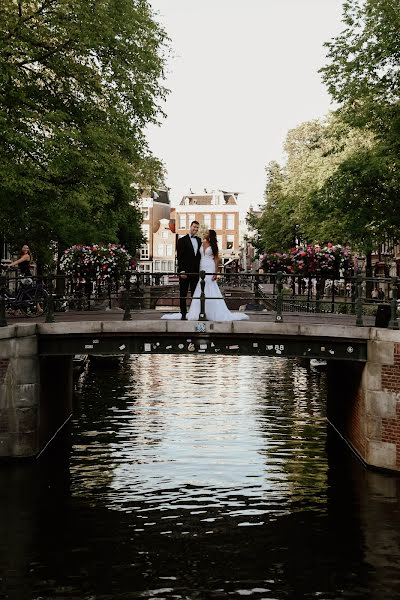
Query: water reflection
[197, 478]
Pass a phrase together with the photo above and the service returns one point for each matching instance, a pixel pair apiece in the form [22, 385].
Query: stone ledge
[385, 335]
[26, 395]
[374, 428]
[381, 404]
[381, 352]
[66, 328]
[372, 377]
[381, 454]
[134, 326]
[23, 370]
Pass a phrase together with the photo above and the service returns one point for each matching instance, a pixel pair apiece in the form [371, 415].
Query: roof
[209, 198]
[158, 195]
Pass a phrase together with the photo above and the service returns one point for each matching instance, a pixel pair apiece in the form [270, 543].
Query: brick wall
[3, 369]
[391, 383]
[356, 423]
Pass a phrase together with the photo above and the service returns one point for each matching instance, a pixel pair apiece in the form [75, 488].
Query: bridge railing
[276, 294]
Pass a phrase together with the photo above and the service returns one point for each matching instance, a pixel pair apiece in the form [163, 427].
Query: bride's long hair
[212, 237]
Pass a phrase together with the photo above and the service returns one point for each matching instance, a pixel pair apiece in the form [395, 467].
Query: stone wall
[364, 405]
[19, 392]
[35, 393]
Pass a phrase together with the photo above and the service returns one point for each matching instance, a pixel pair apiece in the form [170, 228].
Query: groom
[188, 255]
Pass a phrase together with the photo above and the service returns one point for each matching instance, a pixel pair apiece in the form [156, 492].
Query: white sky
[243, 73]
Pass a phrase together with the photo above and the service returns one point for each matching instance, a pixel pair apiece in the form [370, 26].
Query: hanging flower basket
[329, 261]
[98, 262]
[273, 263]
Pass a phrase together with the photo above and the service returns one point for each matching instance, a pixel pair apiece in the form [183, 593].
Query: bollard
[202, 315]
[127, 312]
[3, 318]
[359, 301]
[50, 303]
[393, 323]
[279, 297]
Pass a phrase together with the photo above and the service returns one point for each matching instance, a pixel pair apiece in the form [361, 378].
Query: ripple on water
[184, 434]
[197, 477]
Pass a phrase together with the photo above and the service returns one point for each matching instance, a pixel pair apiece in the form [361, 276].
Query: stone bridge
[363, 401]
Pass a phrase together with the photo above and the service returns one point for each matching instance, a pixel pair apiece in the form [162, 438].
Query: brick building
[217, 210]
[154, 205]
[164, 246]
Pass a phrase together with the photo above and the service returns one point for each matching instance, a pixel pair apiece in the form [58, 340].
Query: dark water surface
[196, 477]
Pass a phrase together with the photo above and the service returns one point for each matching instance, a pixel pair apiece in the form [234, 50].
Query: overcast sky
[243, 73]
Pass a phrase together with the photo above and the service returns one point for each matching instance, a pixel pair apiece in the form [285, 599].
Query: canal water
[198, 477]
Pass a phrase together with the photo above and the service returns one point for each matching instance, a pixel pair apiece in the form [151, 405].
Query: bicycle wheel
[34, 302]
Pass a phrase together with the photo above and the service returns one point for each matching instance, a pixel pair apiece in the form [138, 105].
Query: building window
[164, 265]
[230, 221]
[156, 265]
[169, 249]
[171, 265]
[165, 234]
[182, 221]
[144, 252]
[146, 231]
[218, 222]
[230, 240]
[207, 221]
[160, 250]
[192, 217]
[145, 213]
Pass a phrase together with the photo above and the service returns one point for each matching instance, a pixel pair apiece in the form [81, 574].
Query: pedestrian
[23, 262]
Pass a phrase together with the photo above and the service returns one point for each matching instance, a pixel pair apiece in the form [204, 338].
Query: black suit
[188, 261]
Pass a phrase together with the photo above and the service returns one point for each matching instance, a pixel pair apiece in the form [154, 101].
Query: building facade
[216, 210]
[164, 247]
[154, 205]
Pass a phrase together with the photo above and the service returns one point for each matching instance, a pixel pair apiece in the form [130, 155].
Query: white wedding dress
[215, 308]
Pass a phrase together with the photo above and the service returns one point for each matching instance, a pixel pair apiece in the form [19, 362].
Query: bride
[215, 307]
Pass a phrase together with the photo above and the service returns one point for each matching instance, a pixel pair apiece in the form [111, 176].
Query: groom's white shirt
[194, 244]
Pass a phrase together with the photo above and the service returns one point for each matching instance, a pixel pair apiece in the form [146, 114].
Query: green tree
[274, 228]
[79, 82]
[362, 74]
[315, 150]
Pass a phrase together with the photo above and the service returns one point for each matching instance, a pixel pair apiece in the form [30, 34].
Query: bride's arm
[216, 263]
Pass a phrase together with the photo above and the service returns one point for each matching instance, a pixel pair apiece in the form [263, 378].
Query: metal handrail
[288, 292]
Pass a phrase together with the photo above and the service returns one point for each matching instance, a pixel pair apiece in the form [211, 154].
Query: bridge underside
[204, 343]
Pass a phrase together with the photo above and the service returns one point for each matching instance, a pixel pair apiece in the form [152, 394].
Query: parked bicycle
[29, 297]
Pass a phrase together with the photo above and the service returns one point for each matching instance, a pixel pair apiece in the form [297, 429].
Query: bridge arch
[364, 372]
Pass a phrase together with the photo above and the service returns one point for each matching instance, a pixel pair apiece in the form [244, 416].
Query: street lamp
[359, 266]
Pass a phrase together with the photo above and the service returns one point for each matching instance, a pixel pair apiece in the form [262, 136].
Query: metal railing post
[359, 301]
[257, 294]
[127, 312]
[393, 323]
[50, 304]
[202, 315]
[279, 297]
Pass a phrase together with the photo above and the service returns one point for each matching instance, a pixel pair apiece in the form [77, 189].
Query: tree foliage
[363, 73]
[342, 176]
[363, 76]
[291, 213]
[79, 82]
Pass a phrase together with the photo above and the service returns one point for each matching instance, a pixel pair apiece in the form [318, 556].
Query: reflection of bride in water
[215, 307]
